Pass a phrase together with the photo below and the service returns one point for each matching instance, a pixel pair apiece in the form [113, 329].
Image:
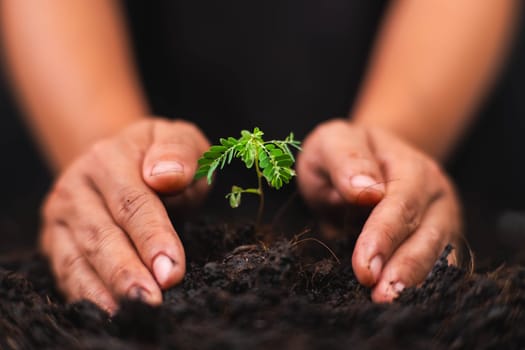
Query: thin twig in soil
[321, 243]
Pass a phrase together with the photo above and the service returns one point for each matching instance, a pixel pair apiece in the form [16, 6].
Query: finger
[414, 259]
[342, 155]
[351, 164]
[171, 160]
[75, 277]
[107, 248]
[188, 200]
[315, 184]
[137, 209]
[410, 192]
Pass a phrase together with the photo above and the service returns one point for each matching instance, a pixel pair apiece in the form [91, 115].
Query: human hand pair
[108, 235]
[106, 231]
[416, 212]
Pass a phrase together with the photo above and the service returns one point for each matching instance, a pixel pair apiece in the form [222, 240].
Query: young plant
[272, 161]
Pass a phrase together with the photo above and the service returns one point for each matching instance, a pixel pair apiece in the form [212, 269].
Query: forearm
[432, 64]
[72, 70]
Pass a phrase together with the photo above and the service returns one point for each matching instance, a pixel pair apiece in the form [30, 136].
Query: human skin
[104, 226]
[433, 62]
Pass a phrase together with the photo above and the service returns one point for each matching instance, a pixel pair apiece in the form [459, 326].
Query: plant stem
[261, 194]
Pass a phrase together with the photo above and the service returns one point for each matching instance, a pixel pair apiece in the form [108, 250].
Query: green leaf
[264, 163]
[234, 197]
[212, 155]
[273, 159]
[288, 152]
[284, 161]
[248, 155]
[276, 152]
[231, 155]
[268, 172]
[229, 142]
[203, 161]
[211, 170]
[218, 149]
[296, 145]
[202, 172]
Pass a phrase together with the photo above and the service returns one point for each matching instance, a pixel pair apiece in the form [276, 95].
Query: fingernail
[167, 167]
[366, 182]
[398, 287]
[376, 264]
[362, 181]
[138, 293]
[162, 266]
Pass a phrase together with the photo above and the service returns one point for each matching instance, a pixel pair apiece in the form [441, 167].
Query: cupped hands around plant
[272, 160]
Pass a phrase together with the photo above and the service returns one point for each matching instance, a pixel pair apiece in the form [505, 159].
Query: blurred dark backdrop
[280, 65]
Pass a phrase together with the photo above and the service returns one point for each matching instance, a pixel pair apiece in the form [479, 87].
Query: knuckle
[186, 125]
[147, 238]
[71, 261]
[60, 193]
[131, 201]
[98, 149]
[69, 264]
[387, 238]
[391, 237]
[323, 127]
[433, 170]
[96, 156]
[151, 237]
[410, 267]
[194, 136]
[409, 213]
[433, 167]
[434, 237]
[121, 275]
[319, 131]
[97, 238]
[327, 127]
[95, 294]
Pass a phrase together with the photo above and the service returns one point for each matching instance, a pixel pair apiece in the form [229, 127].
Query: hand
[416, 211]
[105, 230]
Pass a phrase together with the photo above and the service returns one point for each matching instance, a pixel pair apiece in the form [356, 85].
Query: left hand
[105, 230]
[416, 212]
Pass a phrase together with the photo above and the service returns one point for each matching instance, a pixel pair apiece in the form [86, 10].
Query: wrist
[79, 138]
[415, 127]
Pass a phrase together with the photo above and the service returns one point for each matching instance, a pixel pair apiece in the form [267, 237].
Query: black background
[280, 65]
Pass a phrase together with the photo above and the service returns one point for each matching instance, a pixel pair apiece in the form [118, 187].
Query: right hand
[106, 231]
[416, 212]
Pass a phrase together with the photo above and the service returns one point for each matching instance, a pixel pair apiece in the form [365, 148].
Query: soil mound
[243, 291]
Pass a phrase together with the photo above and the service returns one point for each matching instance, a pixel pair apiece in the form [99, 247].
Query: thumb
[351, 164]
[171, 159]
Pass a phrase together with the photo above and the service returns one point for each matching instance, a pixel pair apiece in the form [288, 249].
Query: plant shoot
[272, 160]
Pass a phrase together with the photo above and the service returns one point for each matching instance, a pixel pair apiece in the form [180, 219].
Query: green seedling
[272, 160]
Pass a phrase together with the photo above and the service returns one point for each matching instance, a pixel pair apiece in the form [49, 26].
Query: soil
[246, 290]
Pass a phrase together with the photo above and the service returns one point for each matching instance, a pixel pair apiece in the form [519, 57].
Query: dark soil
[245, 291]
